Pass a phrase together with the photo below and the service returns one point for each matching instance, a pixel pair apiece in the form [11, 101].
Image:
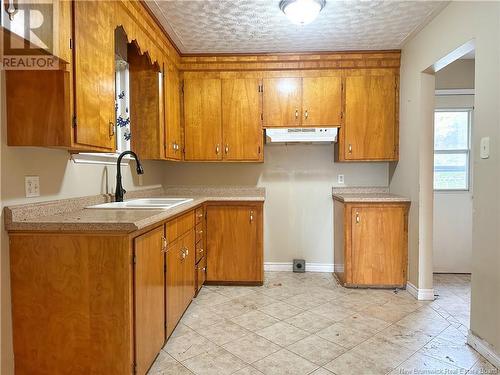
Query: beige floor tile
[231, 309]
[210, 299]
[344, 335]
[309, 322]
[254, 320]
[216, 362]
[426, 321]
[454, 335]
[188, 345]
[166, 365]
[316, 350]
[422, 364]
[383, 352]
[388, 312]
[281, 310]
[351, 363]
[305, 301]
[406, 337]
[321, 371]
[282, 333]
[284, 362]
[255, 301]
[327, 294]
[332, 311]
[180, 330]
[200, 317]
[251, 348]
[483, 367]
[223, 332]
[249, 370]
[235, 291]
[456, 354]
[281, 292]
[366, 323]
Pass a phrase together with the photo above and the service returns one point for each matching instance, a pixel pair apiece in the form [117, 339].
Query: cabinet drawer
[179, 226]
[199, 214]
[200, 251]
[201, 274]
[199, 232]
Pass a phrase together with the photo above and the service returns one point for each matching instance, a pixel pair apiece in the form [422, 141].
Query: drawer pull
[200, 216]
[350, 149]
[200, 232]
[217, 149]
[251, 216]
[200, 250]
[296, 114]
[306, 114]
[226, 149]
[357, 218]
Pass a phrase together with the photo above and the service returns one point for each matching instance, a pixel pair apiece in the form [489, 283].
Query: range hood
[301, 135]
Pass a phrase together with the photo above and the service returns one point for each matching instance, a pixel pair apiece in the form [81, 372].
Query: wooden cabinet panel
[321, 101]
[200, 273]
[178, 226]
[370, 118]
[282, 102]
[378, 249]
[188, 264]
[146, 107]
[173, 142]
[241, 119]
[149, 298]
[174, 286]
[94, 74]
[202, 119]
[234, 244]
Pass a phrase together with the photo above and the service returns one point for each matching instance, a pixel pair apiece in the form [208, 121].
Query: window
[452, 149]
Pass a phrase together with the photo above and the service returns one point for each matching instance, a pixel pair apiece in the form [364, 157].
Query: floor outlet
[32, 186]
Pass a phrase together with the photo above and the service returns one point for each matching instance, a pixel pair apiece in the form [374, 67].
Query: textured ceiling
[245, 26]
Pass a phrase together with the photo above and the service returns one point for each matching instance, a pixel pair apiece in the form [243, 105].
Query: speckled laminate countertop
[367, 195]
[71, 215]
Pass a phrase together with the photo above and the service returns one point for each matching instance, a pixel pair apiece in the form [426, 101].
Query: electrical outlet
[32, 186]
[340, 179]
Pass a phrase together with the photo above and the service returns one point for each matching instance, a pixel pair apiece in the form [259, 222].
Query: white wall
[299, 207]
[452, 224]
[59, 178]
[456, 25]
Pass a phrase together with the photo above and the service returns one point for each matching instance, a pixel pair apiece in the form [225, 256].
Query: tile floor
[308, 324]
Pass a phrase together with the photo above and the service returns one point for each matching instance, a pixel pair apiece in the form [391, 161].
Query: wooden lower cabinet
[371, 243]
[149, 297]
[234, 243]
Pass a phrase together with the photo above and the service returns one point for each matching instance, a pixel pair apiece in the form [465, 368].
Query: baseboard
[338, 268]
[288, 266]
[484, 348]
[420, 294]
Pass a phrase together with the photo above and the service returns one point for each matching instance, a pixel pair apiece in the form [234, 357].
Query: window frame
[466, 152]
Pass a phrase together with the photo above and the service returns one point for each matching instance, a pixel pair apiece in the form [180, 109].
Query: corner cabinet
[371, 244]
[235, 243]
[370, 131]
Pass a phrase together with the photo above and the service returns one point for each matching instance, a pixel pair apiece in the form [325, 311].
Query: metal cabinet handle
[200, 216]
[200, 232]
[251, 216]
[217, 149]
[350, 148]
[306, 114]
[200, 250]
[296, 114]
[357, 218]
[164, 244]
[111, 129]
[226, 149]
[204, 269]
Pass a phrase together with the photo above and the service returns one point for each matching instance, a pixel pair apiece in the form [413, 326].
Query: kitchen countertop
[70, 215]
[367, 195]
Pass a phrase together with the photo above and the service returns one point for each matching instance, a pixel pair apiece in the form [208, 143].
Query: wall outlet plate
[340, 179]
[32, 186]
[485, 148]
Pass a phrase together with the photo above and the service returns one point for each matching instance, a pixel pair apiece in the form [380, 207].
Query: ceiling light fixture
[302, 12]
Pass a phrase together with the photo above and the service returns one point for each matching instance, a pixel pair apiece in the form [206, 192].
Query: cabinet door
[282, 102]
[174, 287]
[321, 101]
[202, 119]
[378, 250]
[241, 119]
[172, 115]
[189, 267]
[370, 118]
[94, 64]
[149, 298]
[234, 247]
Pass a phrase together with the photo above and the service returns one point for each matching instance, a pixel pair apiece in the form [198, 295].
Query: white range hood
[301, 135]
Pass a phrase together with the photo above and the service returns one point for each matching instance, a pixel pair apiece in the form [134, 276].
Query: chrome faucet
[120, 191]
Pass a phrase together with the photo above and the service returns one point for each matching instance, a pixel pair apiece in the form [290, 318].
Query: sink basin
[145, 204]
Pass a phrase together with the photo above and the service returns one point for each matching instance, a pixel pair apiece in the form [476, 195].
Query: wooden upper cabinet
[146, 106]
[282, 102]
[321, 101]
[94, 74]
[379, 245]
[234, 243]
[149, 298]
[173, 142]
[241, 119]
[371, 123]
[202, 119]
